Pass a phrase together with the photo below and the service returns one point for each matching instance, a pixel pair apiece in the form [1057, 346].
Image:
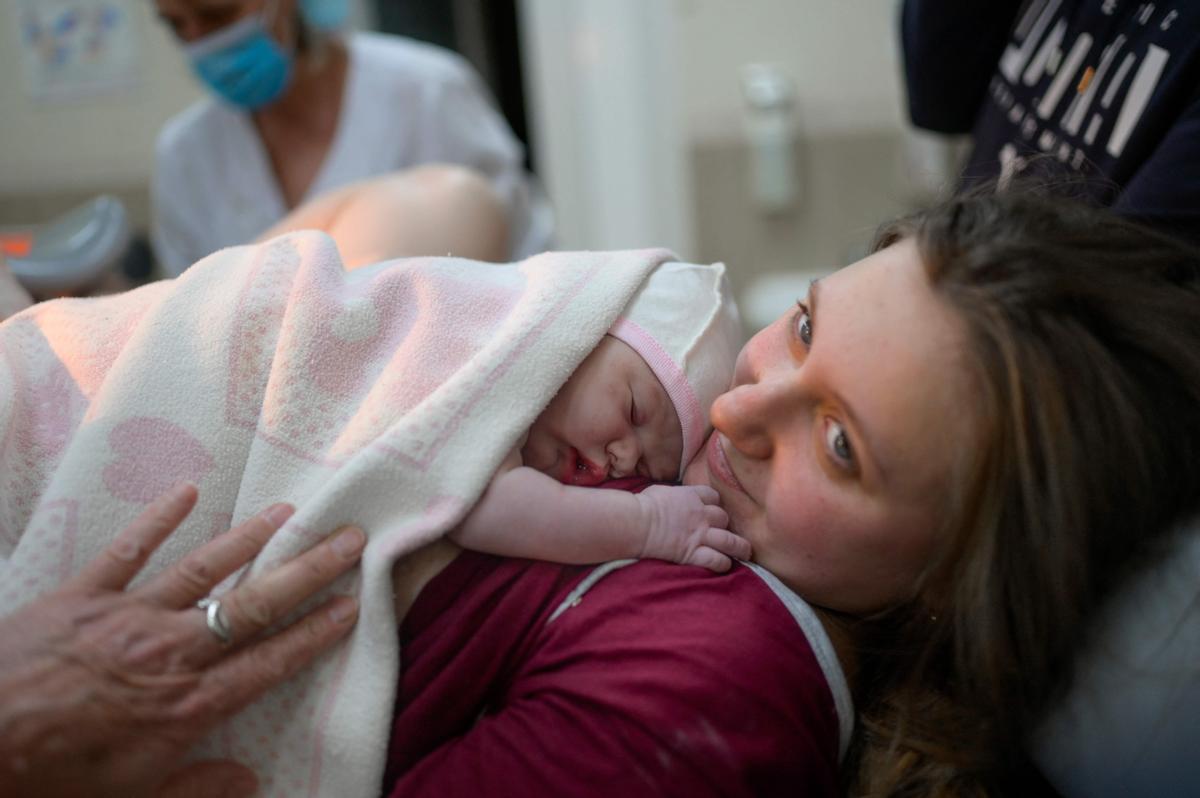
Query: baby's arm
[525, 513]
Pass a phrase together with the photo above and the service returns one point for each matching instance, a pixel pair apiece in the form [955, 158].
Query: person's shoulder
[410, 60]
[740, 591]
[679, 652]
[731, 617]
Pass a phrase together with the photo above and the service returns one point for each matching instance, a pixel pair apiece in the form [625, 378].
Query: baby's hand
[686, 525]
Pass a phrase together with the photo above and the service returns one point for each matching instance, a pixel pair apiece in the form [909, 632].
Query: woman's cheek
[745, 518]
[800, 514]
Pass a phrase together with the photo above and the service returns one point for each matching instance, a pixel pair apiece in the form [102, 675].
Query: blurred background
[768, 134]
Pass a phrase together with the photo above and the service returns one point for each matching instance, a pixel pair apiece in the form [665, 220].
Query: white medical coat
[405, 103]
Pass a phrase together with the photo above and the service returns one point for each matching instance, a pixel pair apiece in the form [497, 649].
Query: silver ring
[214, 617]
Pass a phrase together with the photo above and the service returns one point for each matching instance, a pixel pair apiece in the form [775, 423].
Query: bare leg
[429, 210]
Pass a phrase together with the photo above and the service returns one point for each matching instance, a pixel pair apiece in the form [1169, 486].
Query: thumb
[213, 779]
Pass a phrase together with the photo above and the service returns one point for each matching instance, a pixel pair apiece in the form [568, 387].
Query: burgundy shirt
[661, 680]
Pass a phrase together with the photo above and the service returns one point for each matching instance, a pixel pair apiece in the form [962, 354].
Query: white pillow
[1130, 725]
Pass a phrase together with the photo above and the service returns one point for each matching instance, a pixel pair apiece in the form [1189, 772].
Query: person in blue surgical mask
[301, 107]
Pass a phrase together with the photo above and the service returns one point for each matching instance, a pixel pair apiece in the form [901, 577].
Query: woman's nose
[747, 415]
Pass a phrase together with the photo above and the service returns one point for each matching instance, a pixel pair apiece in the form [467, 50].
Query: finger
[725, 541]
[243, 677]
[260, 602]
[707, 494]
[127, 553]
[716, 516]
[193, 577]
[711, 559]
[211, 779]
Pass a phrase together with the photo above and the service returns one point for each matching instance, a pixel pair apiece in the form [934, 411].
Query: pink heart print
[151, 455]
[351, 338]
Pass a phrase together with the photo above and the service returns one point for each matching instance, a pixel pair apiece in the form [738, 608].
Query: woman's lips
[578, 470]
[718, 463]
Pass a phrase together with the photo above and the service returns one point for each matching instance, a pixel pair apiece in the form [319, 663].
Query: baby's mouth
[578, 470]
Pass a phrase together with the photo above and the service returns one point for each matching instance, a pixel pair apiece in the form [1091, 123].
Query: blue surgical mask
[325, 15]
[242, 64]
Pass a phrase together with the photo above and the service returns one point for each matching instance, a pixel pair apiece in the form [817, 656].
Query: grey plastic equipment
[71, 253]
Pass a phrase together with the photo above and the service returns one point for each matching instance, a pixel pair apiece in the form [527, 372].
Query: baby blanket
[384, 397]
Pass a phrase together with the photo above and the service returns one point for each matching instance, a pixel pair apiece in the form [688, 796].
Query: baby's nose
[623, 455]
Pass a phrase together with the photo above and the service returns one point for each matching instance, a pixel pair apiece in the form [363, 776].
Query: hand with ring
[103, 689]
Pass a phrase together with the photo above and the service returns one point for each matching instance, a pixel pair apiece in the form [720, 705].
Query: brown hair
[1084, 345]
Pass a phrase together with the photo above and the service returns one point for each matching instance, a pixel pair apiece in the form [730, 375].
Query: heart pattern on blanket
[334, 340]
[458, 319]
[353, 337]
[49, 556]
[57, 405]
[343, 368]
[261, 301]
[151, 455]
[267, 373]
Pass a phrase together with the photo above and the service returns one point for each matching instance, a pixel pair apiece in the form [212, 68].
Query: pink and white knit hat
[685, 325]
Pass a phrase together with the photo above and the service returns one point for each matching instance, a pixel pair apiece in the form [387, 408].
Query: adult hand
[103, 689]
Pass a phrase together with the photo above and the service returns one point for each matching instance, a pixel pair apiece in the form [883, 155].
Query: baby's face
[611, 419]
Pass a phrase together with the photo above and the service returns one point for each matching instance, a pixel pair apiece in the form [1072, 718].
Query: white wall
[621, 90]
[93, 143]
[842, 55]
[604, 106]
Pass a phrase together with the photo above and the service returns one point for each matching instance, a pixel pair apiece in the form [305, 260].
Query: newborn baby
[636, 410]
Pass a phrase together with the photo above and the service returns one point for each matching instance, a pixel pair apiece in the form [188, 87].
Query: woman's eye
[803, 323]
[838, 444]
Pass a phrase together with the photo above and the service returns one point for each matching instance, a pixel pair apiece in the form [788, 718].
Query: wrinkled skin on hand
[685, 524]
[103, 689]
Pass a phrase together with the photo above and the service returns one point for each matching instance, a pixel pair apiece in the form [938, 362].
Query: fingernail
[343, 609]
[177, 491]
[278, 514]
[350, 542]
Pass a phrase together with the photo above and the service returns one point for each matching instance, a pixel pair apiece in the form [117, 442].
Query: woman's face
[842, 434]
